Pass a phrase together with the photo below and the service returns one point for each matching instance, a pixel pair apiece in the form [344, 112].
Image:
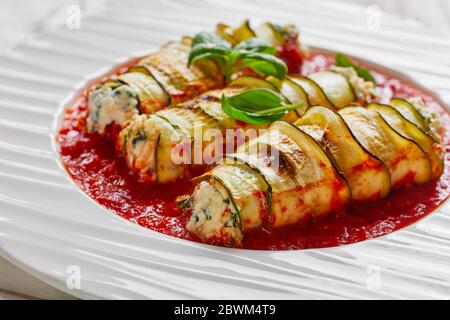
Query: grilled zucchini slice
[292, 92]
[411, 131]
[336, 87]
[147, 143]
[191, 122]
[152, 96]
[363, 89]
[243, 32]
[250, 82]
[406, 161]
[318, 185]
[248, 190]
[210, 104]
[411, 112]
[169, 67]
[303, 182]
[282, 185]
[195, 126]
[225, 32]
[367, 176]
[234, 36]
[316, 95]
[430, 117]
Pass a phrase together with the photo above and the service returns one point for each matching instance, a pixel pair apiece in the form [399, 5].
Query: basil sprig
[343, 61]
[257, 106]
[252, 53]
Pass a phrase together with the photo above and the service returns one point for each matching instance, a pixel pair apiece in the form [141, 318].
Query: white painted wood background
[19, 19]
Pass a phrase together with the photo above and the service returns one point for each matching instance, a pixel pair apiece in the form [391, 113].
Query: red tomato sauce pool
[93, 164]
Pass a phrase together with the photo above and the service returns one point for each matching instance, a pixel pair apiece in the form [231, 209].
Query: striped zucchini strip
[169, 67]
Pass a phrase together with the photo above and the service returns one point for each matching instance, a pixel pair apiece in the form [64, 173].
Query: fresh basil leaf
[343, 61]
[207, 51]
[257, 106]
[279, 110]
[365, 74]
[253, 53]
[255, 45]
[238, 114]
[261, 67]
[232, 57]
[208, 37]
[208, 46]
[256, 99]
[265, 64]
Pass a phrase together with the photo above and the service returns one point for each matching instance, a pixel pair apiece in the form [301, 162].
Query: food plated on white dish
[244, 137]
[127, 235]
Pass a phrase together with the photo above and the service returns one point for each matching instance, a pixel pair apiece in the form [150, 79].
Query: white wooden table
[18, 19]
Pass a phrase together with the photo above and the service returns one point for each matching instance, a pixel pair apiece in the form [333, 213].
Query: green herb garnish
[141, 136]
[206, 213]
[257, 106]
[343, 61]
[253, 53]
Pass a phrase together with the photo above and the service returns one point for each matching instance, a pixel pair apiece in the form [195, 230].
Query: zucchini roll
[157, 81]
[406, 160]
[366, 175]
[409, 130]
[113, 102]
[327, 159]
[147, 143]
[247, 192]
[205, 112]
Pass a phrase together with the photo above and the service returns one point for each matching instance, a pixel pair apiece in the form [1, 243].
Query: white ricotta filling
[111, 106]
[213, 216]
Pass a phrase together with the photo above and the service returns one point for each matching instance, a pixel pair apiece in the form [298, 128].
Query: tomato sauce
[93, 164]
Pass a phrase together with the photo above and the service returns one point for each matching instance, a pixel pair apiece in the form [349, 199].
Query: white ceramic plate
[52, 230]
